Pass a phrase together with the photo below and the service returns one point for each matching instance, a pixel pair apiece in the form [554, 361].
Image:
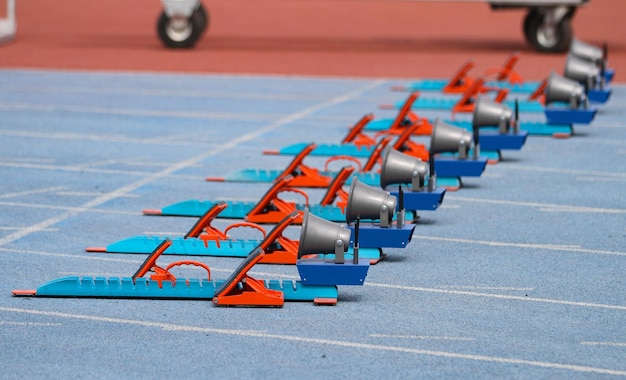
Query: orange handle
[342, 157]
[188, 262]
[246, 224]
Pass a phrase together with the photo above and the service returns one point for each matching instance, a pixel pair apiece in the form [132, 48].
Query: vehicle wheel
[529, 20]
[203, 18]
[179, 32]
[547, 38]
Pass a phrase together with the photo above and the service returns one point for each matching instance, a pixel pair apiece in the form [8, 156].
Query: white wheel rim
[178, 29]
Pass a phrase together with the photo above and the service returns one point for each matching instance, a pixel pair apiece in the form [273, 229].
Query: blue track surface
[520, 274]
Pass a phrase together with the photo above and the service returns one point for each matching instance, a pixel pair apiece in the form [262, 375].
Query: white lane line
[67, 168]
[66, 208]
[30, 324]
[422, 337]
[541, 206]
[27, 160]
[229, 116]
[598, 173]
[31, 192]
[114, 161]
[505, 288]
[19, 228]
[165, 92]
[320, 341]
[498, 296]
[89, 194]
[100, 138]
[186, 163]
[611, 344]
[549, 247]
[599, 179]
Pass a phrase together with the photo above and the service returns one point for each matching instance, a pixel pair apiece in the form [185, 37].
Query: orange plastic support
[203, 230]
[506, 72]
[459, 81]
[335, 190]
[399, 123]
[466, 103]
[345, 158]
[278, 248]
[539, 94]
[304, 176]
[271, 209]
[164, 274]
[242, 290]
[251, 293]
[375, 157]
[406, 117]
[404, 144]
[356, 135]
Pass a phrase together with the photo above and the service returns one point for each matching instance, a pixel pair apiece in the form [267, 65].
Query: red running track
[302, 37]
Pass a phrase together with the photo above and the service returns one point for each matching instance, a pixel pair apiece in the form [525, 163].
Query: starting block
[297, 169]
[465, 103]
[239, 289]
[270, 209]
[444, 166]
[206, 240]
[505, 77]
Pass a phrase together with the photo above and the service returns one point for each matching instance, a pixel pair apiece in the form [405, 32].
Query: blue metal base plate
[454, 167]
[422, 200]
[326, 272]
[599, 96]
[372, 235]
[563, 115]
[494, 140]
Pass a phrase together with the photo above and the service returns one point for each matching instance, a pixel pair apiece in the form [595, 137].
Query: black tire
[542, 40]
[179, 33]
[203, 18]
[529, 20]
